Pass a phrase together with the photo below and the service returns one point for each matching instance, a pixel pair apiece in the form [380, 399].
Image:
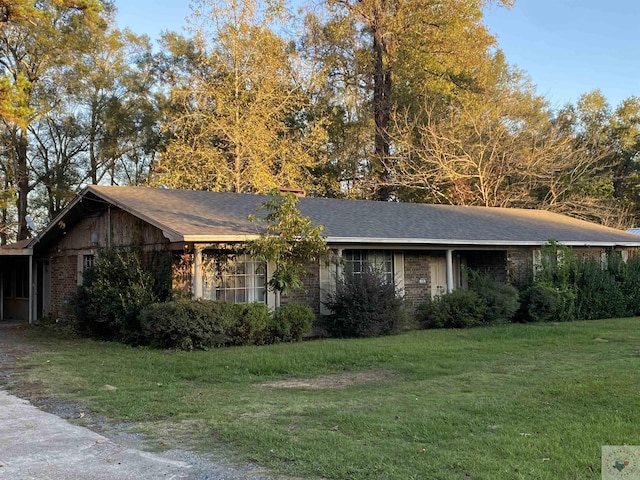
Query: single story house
[423, 248]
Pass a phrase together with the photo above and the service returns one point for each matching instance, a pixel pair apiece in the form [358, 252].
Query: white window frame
[373, 258]
[240, 279]
[82, 264]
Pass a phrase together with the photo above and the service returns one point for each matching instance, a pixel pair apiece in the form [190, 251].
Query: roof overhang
[413, 242]
[217, 238]
[474, 243]
[16, 252]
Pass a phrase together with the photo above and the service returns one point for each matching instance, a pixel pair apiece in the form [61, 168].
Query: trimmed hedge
[204, 324]
[290, 323]
[458, 309]
[501, 300]
[544, 303]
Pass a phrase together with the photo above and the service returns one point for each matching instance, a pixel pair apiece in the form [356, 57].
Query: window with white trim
[87, 261]
[357, 262]
[238, 279]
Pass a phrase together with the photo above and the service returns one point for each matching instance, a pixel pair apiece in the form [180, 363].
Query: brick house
[424, 249]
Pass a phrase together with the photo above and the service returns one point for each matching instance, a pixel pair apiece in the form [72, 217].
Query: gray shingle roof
[187, 215]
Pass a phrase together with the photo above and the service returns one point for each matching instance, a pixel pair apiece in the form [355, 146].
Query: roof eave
[218, 238]
[460, 242]
[16, 252]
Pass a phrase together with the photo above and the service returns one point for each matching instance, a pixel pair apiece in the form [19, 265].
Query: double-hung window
[238, 279]
[380, 262]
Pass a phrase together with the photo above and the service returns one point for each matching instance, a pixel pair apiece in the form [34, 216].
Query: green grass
[505, 402]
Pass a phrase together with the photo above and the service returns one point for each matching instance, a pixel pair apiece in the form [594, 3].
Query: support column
[1, 297]
[273, 297]
[449, 261]
[197, 272]
[31, 290]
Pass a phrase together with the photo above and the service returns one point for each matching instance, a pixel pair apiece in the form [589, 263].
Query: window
[358, 261]
[87, 261]
[239, 279]
[84, 260]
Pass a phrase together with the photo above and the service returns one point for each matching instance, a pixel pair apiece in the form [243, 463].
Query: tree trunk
[382, 113]
[22, 177]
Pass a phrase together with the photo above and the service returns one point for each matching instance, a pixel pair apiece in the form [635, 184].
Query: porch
[17, 274]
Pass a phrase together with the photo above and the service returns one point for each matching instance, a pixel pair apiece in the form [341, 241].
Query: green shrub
[501, 300]
[250, 322]
[185, 324]
[543, 302]
[631, 285]
[290, 322]
[189, 324]
[458, 309]
[364, 305]
[598, 292]
[114, 292]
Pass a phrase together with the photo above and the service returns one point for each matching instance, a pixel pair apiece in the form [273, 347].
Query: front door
[438, 276]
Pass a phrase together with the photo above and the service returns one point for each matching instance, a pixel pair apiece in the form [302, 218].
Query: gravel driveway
[37, 444]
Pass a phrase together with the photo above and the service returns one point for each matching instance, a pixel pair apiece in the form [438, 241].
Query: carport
[17, 282]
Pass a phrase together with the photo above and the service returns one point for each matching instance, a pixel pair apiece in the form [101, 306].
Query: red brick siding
[64, 283]
[416, 266]
[311, 293]
[182, 269]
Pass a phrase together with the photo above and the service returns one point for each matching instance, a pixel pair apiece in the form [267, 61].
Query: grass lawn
[505, 402]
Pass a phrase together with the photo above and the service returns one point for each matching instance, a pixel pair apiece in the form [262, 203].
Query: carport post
[449, 271]
[31, 299]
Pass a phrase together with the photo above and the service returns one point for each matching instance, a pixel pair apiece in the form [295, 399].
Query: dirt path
[38, 442]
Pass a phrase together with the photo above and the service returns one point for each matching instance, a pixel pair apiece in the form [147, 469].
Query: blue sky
[567, 47]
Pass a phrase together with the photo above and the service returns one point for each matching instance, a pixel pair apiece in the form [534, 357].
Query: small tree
[114, 292]
[290, 239]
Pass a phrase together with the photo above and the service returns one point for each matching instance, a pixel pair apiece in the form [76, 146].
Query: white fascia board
[218, 238]
[172, 236]
[470, 243]
[16, 252]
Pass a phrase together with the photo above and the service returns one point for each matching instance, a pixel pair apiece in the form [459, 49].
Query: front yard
[533, 401]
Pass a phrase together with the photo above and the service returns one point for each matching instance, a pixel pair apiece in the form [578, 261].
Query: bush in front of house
[203, 324]
[290, 323]
[185, 324]
[364, 305]
[249, 324]
[600, 292]
[458, 309]
[544, 302]
[501, 300]
[114, 291]
[631, 286]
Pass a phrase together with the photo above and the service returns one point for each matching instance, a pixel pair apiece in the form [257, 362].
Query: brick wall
[311, 293]
[520, 266]
[417, 267]
[182, 274]
[64, 283]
